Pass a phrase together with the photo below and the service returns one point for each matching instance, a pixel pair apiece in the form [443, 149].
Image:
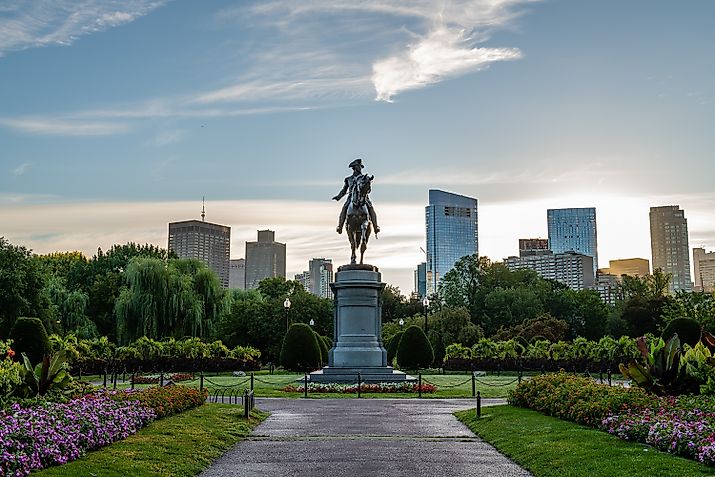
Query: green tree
[451, 325]
[21, 284]
[698, 306]
[508, 307]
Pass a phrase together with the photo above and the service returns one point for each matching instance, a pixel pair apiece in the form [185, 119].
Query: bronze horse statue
[358, 221]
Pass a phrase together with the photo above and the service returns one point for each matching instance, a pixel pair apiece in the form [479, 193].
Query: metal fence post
[246, 410]
[359, 384]
[474, 385]
[161, 379]
[305, 385]
[104, 384]
[201, 381]
[133, 379]
[479, 404]
[609, 377]
[114, 381]
[251, 381]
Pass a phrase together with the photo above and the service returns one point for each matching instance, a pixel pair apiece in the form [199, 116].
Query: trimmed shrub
[323, 349]
[414, 350]
[30, 337]
[392, 345]
[300, 351]
[687, 329]
[164, 401]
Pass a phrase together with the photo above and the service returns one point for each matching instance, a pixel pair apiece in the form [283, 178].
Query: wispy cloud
[63, 126]
[443, 37]
[33, 24]
[21, 169]
[442, 54]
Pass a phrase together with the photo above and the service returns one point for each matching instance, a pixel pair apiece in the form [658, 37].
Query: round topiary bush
[687, 329]
[323, 349]
[300, 351]
[29, 336]
[414, 350]
[392, 345]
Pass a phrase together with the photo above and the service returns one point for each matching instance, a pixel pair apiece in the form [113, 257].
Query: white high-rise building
[704, 267]
[575, 270]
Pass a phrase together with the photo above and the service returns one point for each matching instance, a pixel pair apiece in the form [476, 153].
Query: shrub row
[164, 401]
[99, 366]
[530, 364]
[578, 399]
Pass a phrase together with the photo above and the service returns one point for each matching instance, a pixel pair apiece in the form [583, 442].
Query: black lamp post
[286, 307]
[425, 307]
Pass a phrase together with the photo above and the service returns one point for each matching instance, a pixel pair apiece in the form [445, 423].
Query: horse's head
[363, 186]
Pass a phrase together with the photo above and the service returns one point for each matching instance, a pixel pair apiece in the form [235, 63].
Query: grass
[181, 445]
[267, 385]
[550, 447]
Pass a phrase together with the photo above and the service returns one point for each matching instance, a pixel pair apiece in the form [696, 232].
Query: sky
[118, 116]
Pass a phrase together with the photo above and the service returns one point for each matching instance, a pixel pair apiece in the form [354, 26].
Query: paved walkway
[363, 437]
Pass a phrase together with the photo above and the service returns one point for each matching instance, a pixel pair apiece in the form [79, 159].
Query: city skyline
[117, 117]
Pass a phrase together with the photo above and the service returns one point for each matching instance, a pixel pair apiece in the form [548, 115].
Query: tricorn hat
[356, 162]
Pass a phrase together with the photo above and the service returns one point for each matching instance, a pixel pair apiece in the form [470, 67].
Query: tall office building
[635, 267]
[237, 273]
[451, 226]
[210, 243]
[421, 279]
[572, 269]
[533, 246]
[303, 278]
[265, 258]
[669, 245]
[704, 267]
[573, 230]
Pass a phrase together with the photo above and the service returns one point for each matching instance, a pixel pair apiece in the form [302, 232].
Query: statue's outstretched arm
[342, 192]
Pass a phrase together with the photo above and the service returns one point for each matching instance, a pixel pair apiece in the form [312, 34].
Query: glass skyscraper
[669, 245]
[573, 230]
[451, 224]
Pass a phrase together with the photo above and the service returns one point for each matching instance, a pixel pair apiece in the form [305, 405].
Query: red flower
[10, 353]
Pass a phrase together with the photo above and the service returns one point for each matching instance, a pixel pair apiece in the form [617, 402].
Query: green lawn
[181, 445]
[267, 385]
[550, 447]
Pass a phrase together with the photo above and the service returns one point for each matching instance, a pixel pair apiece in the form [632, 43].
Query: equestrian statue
[357, 211]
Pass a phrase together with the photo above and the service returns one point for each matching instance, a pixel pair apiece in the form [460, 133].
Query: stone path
[363, 437]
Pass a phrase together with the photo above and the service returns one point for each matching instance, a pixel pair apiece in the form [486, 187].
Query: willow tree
[175, 299]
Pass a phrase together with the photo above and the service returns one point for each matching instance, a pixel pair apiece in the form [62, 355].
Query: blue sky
[118, 116]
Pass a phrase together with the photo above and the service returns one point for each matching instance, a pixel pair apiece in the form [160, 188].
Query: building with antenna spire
[210, 243]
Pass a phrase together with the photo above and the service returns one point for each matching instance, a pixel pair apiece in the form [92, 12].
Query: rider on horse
[350, 182]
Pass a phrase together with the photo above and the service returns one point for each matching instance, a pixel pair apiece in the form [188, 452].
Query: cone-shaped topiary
[301, 351]
[414, 350]
[323, 349]
[687, 329]
[392, 345]
[30, 337]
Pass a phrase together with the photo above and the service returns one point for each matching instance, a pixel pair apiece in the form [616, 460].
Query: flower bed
[683, 426]
[52, 434]
[365, 388]
[679, 425]
[154, 378]
[56, 433]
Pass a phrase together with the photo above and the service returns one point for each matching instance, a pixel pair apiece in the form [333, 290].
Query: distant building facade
[608, 287]
[452, 233]
[575, 270]
[533, 246]
[317, 278]
[573, 230]
[634, 267]
[421, 279]
[237, 273]
[210, 243]
[704, 267]
[303, 278]
[265, 258]
[669, 245]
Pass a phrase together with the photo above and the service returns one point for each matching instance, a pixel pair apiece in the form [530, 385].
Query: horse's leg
[364, 233]
[351, 236]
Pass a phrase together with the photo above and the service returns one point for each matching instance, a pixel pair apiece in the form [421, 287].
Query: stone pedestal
[357, 324]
